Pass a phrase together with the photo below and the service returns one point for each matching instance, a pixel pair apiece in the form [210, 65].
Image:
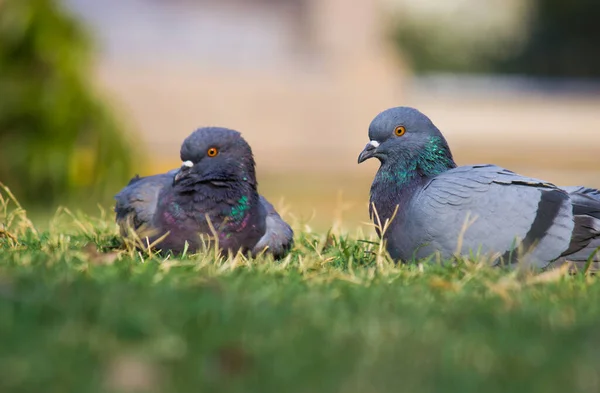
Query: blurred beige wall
[303, 89]
[314, 103]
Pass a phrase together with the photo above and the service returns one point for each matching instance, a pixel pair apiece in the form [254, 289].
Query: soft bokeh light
[302, 79]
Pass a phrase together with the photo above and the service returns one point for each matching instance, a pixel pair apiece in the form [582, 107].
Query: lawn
[82, 312]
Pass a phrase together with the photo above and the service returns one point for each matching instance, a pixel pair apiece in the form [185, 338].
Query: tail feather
[585, 239]
[582, 190]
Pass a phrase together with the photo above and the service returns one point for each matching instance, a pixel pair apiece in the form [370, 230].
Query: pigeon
[427, 206]
[212, 195]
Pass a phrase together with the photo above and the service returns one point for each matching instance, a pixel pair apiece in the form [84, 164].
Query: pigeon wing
[586, 214]
[507, 213]
[278, 238]
[136, 203]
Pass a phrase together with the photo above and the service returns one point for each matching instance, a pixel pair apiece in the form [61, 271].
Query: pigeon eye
[213, 151]
[400, 130]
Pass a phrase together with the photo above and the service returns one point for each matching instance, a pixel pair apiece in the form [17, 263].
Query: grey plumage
[483, 209]
[136, 203]
[585, 239]
[278, 234]
[207, 193]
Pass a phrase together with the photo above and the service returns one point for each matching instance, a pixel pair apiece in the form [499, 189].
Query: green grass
[82, 312]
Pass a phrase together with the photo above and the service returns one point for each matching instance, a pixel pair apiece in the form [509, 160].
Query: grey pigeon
[216, 185]
[478, 209]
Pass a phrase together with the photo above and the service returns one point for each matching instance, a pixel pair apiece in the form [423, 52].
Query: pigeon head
[215, 155]
[408, 145]
[402, 133]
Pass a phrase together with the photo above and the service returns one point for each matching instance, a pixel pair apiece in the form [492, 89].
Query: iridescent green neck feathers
[434, 158]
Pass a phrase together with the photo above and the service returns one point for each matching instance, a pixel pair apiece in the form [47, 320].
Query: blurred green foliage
[563, 40]
[429, 47]
[58, 140]
[553, 38]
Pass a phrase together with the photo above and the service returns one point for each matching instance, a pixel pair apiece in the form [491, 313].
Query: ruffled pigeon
[213, 193]
[436, 208]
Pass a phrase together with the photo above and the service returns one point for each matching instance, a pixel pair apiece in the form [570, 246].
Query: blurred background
[94, 92]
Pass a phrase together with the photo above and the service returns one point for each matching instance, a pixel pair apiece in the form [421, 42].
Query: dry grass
[81, 310]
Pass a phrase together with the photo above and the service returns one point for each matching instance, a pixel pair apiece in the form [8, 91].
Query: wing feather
[504, 210]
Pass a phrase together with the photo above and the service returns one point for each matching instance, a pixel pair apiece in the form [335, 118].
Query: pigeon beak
[368, 151]
[185, 167]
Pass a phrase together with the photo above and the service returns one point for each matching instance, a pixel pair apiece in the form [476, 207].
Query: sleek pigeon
[213, 194]
[434, 207]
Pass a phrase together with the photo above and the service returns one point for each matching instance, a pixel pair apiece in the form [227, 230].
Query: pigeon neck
[221, 190]
[230, 202]
[240, 210]
[401, 177]
[434, 158]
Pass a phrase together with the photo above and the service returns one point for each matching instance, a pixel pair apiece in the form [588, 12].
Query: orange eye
[400, 130]
[213, 151]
